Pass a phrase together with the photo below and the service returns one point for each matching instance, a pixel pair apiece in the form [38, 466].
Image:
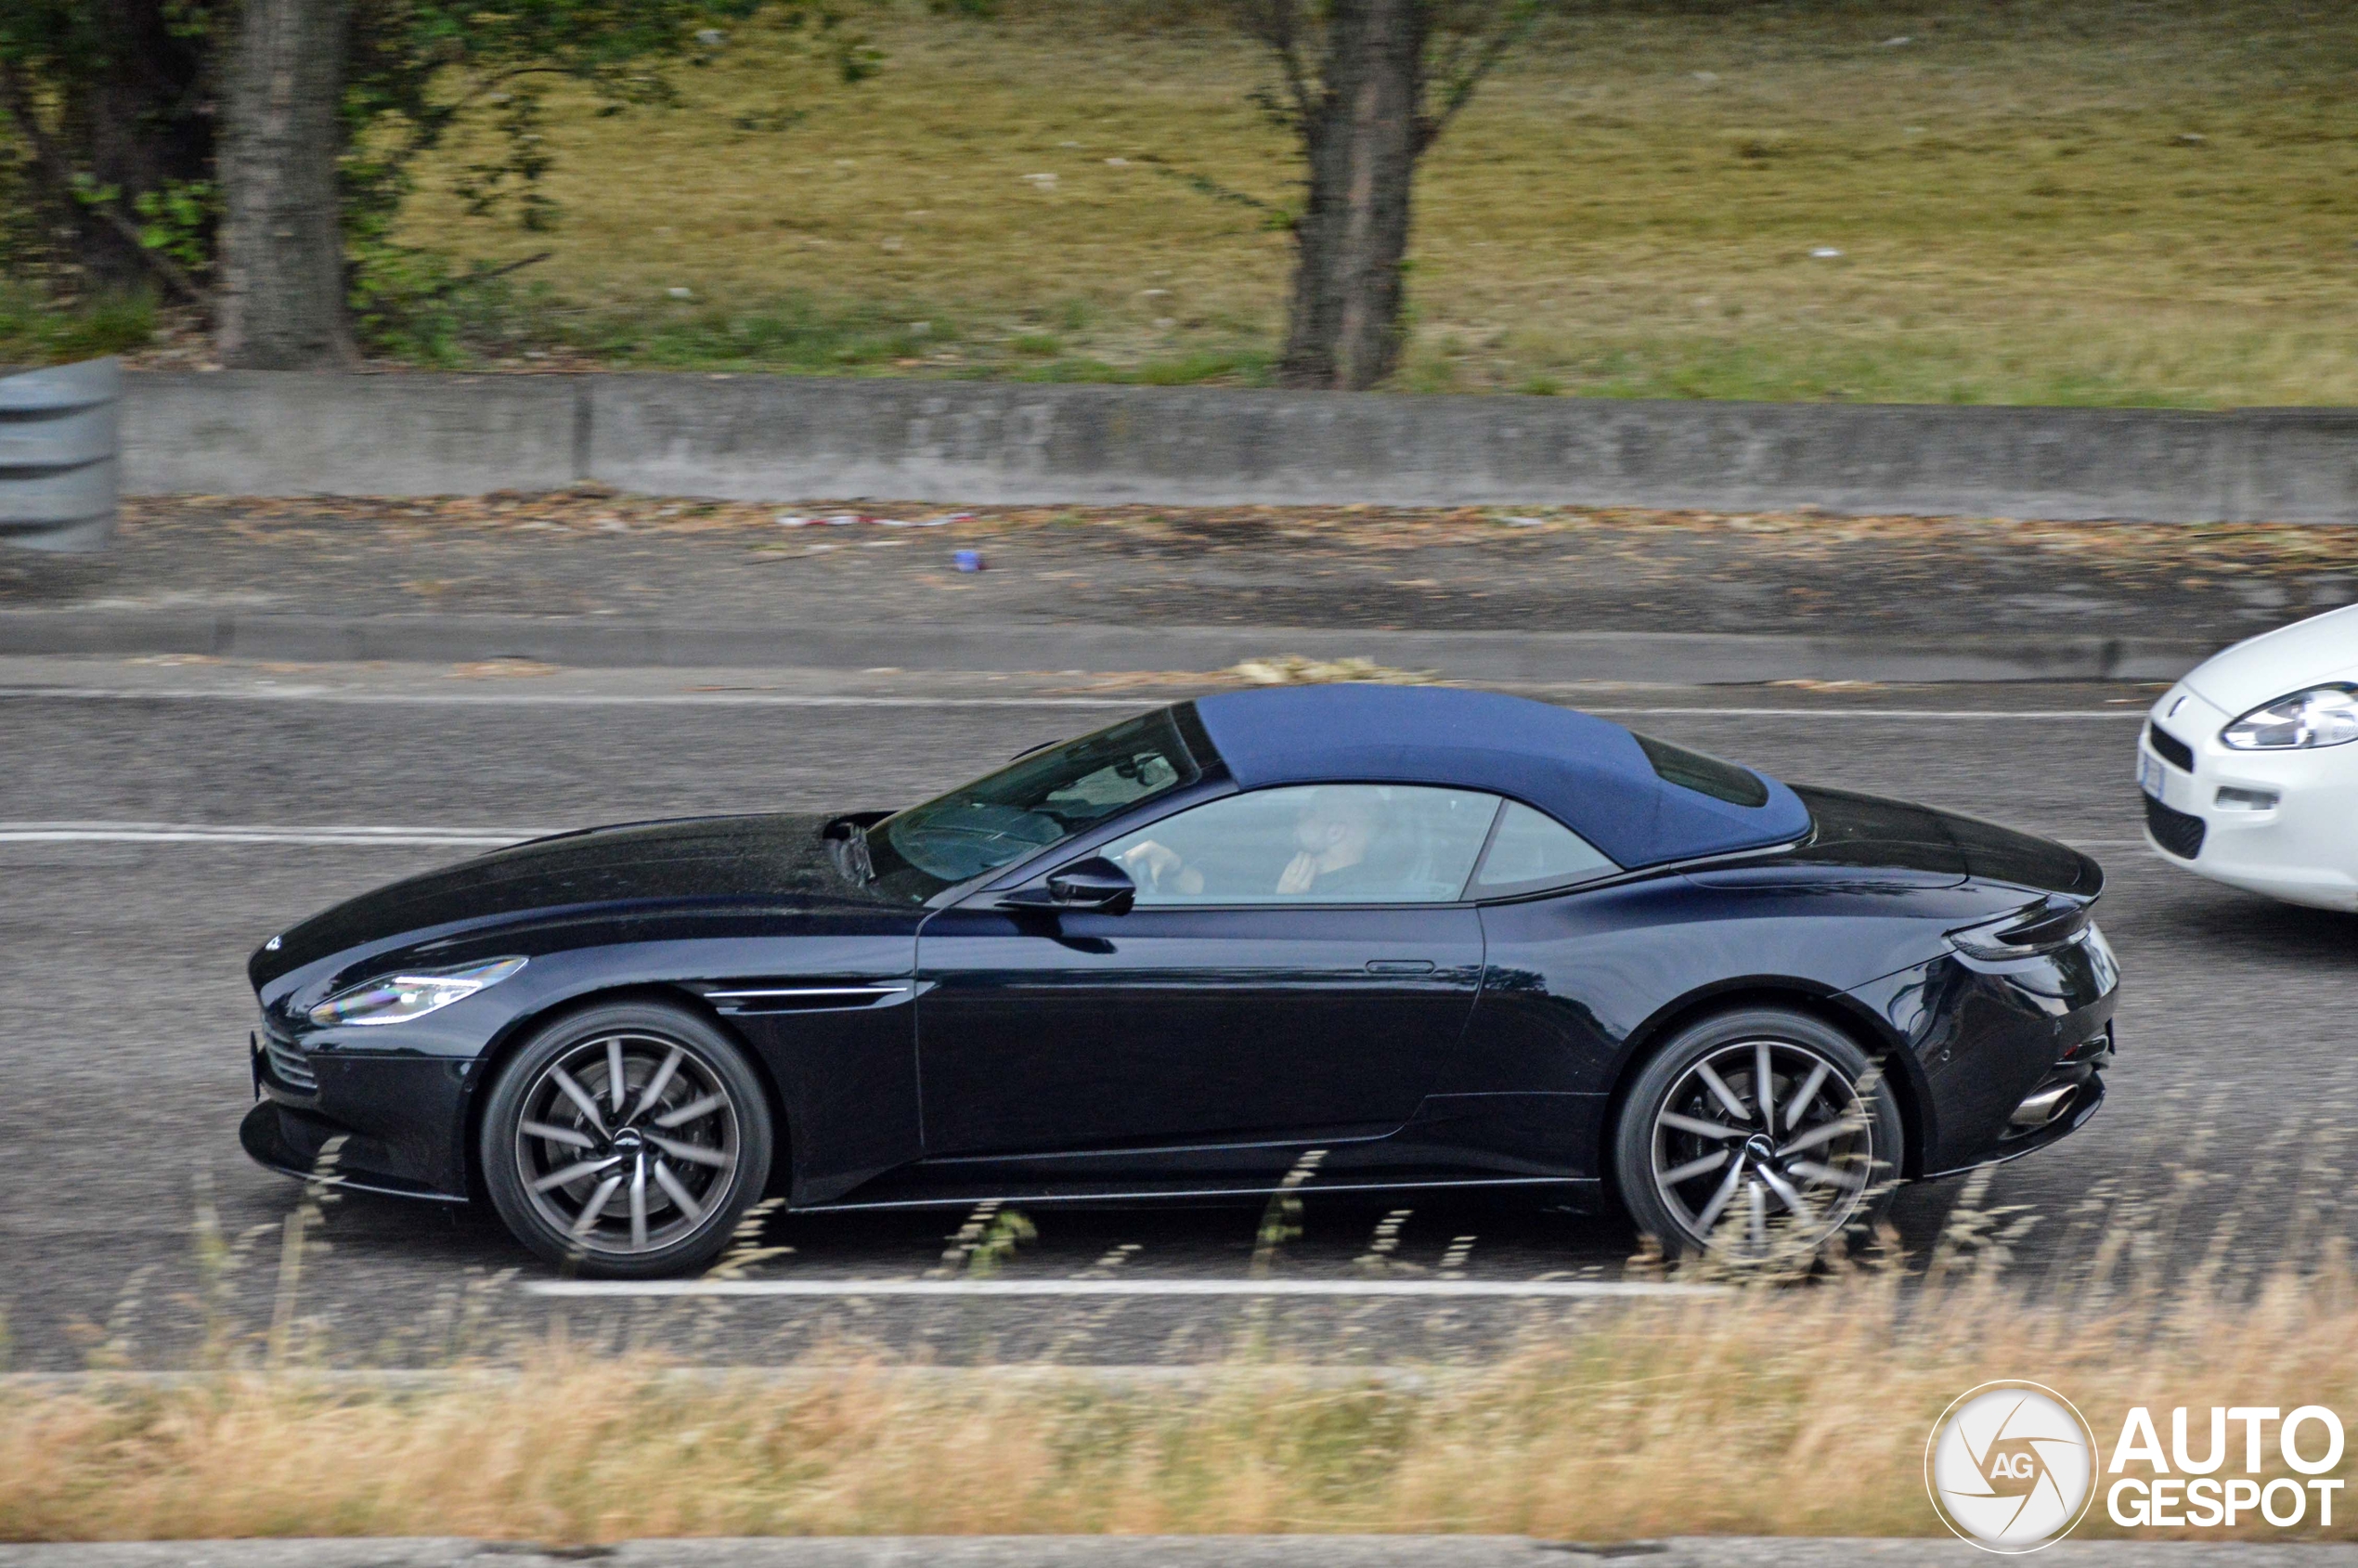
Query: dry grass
[2157, 549]
[2081, 202]
[1296, 669]
[1794, 1400]
[1775, 1411]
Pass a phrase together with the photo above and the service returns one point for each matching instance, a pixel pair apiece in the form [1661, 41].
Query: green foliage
[1008, 1229]
[1195, 368]
[34, 330]
[794, 333]
[1251, 368]
[100, 106]
[416, 306]
[177, 219]
[412, 305]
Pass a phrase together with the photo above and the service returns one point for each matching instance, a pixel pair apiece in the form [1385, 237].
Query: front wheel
[1757, 1132]
[626, 1139]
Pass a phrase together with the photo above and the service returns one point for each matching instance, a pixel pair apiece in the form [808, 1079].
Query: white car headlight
[2320, 716]
[393, 999]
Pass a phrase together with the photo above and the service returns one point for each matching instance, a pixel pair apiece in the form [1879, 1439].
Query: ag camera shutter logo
[2011, 1467]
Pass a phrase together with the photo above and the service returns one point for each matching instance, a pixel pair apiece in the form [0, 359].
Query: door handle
[1400, 965]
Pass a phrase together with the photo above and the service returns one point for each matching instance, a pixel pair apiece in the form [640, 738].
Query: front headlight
[393, 999]
[2320, 716]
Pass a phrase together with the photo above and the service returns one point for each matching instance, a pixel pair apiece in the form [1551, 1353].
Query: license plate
[2149, 774]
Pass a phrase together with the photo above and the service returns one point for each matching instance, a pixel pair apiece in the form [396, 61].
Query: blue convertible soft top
[1589, 774]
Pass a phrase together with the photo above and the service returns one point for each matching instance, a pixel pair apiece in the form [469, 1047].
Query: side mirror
[1093, 883]
[1096, 885]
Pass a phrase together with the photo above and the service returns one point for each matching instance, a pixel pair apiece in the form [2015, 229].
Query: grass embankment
[2074, 203]
[1775, 1411]
[1793, 1400]
[33, 332]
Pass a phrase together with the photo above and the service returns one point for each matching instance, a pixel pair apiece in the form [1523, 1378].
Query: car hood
[698, 860]
[2292, 658]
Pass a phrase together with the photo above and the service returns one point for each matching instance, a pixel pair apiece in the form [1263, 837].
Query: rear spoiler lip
[2046, 924]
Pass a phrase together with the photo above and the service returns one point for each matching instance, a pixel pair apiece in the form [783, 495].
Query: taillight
[2046, 927]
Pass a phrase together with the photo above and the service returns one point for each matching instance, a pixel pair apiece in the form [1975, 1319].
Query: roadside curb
[1153, 1551]
[600, 643]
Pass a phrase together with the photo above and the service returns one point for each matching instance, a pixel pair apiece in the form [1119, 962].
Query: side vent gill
[802, 994]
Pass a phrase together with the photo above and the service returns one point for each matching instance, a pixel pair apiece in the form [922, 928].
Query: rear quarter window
[1704, 775]
[1531, 850]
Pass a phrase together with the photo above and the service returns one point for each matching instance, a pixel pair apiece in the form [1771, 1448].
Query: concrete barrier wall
[254, 432]
[788, 438]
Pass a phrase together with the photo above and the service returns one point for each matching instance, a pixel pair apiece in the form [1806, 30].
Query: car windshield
[1043, 797]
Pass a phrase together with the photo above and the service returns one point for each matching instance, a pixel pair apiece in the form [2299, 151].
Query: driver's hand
[1150, 862]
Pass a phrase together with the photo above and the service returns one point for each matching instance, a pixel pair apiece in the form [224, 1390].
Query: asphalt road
[2226, 1143]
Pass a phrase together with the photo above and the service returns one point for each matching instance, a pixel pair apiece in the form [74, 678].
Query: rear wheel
[1757, 1132]
[628, 1139]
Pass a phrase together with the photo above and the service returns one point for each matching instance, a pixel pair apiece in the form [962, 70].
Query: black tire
[1825, 1169]
[671, 1172]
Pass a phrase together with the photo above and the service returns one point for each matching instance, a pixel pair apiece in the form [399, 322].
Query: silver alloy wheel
[1736, 1165]
[626, 1141]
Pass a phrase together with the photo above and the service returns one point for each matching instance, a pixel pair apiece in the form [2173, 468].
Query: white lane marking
[559, 699]
[206, 833]
[793, 699]
[463, 837]
[1901, 713]
[1575, 1289]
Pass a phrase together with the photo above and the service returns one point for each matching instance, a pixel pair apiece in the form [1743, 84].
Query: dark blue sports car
[1450, 938]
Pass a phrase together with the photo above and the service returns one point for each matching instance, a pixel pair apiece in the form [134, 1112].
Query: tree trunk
[1363, 139]
[281, 269]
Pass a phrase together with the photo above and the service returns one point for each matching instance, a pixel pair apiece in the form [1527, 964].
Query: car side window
[1531, 851]
[1322, 844]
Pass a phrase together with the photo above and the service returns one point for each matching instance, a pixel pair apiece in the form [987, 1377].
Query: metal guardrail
[60, 466]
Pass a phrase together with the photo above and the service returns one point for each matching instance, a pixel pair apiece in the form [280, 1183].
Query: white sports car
[2250, 769]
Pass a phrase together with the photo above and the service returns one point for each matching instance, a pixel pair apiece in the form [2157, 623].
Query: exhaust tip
[2041, 1105]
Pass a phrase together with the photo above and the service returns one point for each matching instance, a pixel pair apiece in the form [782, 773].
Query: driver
[1332, 837]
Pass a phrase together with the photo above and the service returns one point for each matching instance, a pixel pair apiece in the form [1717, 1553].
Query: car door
[1297, 966]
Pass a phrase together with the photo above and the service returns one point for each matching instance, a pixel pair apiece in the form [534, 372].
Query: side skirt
[1578, 1192]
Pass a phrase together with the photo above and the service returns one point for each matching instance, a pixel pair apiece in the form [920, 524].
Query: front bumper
[387, 1124]
[311, 1149]
[2212, 817]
